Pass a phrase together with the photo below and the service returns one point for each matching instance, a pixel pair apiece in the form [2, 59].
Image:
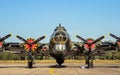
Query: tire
[30, 63]
[89, 61]
[60, 61]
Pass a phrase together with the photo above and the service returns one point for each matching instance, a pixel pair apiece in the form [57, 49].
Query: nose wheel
[60, 60]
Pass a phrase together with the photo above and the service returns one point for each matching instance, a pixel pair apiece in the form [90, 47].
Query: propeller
[85, 41]
[114, 36]
[90, 43]
[5, 37]
[28, 43]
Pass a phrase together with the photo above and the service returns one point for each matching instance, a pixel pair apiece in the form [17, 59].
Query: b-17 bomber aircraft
[60, 46]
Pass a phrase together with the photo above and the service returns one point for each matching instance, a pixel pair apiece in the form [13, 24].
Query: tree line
[106, 56]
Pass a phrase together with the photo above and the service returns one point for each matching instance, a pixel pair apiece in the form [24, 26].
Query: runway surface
[53, 69]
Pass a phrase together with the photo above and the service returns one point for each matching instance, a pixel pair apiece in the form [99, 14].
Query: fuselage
[60, 42]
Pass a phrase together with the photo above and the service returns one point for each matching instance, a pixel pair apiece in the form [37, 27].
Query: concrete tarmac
[53, 69]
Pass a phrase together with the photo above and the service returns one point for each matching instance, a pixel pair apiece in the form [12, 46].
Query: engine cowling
[92, 47]
[33, 46]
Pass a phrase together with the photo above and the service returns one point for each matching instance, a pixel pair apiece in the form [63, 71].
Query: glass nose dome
[60, 37]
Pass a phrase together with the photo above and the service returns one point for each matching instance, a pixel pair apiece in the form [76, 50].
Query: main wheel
[89, 61]
[30, 63]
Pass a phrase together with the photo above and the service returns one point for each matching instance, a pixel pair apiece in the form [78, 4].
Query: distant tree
[109, 55]
[15, 57]
[8, 56]
[39, 57]
[118, 55]
[103, 57]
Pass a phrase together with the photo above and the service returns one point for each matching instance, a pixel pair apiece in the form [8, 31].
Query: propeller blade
[114, 36]
[100, 38]
[39, 39]
[81, 38]
[21, 38]
[5, 37]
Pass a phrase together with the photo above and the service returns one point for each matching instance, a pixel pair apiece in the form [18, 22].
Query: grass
[66, 61]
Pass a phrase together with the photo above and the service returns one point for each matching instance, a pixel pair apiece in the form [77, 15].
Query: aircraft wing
[18, 48]
[97, 47]
[14, 47]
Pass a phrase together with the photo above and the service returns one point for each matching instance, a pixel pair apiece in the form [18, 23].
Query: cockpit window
[60, 37]
[60, 34]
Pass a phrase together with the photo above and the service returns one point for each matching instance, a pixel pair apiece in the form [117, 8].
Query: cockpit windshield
[60, 37]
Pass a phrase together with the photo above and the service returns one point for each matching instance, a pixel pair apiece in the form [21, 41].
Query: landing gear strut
[89, 60]
[30, 59]
[30, 62]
